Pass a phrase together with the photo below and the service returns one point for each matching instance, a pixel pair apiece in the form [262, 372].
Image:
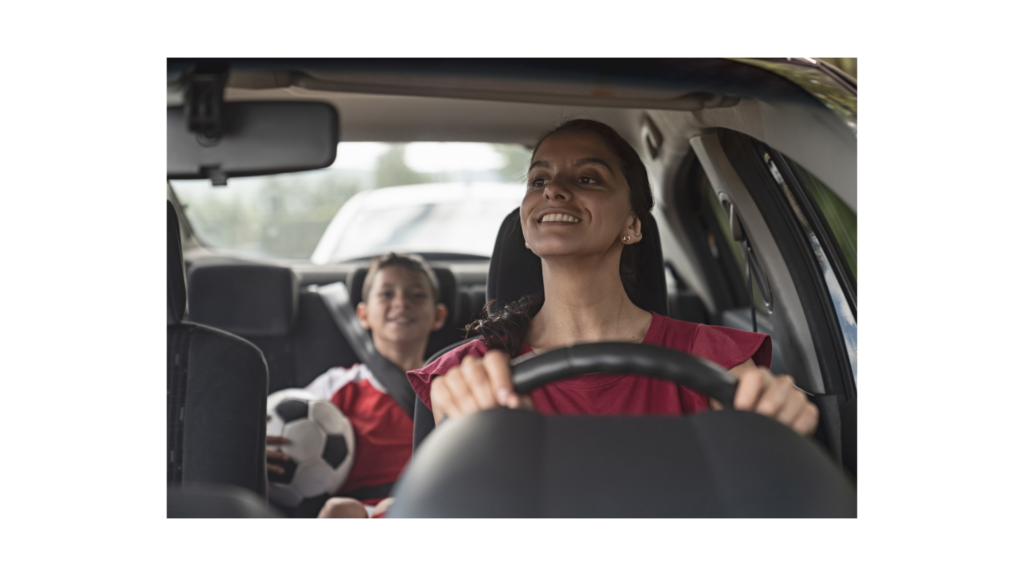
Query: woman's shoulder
[420, 378]
[724, 346]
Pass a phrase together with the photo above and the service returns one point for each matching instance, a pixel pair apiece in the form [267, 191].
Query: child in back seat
[401, 307]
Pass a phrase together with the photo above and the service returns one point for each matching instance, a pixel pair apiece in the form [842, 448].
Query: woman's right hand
[476, 384]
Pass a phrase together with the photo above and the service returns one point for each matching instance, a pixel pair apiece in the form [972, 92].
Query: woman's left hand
[774, 396]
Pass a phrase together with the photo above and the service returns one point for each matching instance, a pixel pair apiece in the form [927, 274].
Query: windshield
[455, 195]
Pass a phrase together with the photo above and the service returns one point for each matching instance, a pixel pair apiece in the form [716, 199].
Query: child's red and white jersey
[383, 430]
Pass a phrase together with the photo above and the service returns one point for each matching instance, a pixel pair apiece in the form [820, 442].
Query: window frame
[819, 225]
[748, 157]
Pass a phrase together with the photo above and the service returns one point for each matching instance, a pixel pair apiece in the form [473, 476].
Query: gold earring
[626, 238]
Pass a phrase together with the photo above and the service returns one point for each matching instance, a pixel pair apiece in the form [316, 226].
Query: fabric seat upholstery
[263, 304]
[515, 270]
[254, 301]
[317, 343]
[216, 394]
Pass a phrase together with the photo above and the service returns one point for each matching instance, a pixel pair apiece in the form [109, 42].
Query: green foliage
[517, 158]
[392, 170]
[841, 219]
[297, 212]
[280, 216]
[848, 65]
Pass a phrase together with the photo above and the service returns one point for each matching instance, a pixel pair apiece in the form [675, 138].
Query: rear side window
[841, 219]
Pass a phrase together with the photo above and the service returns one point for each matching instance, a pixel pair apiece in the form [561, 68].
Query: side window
[826, 222]
[841, 219]
[737, 260]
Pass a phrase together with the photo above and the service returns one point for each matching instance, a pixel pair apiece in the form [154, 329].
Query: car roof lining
[513, 100]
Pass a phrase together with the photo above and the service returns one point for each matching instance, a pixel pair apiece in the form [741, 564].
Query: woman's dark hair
[504, 326]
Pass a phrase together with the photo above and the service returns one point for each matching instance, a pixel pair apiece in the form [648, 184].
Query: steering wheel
[698, 374]
[517, 463]
[531, 372]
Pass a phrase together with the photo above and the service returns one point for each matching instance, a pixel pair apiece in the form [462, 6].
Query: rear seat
[263, 304]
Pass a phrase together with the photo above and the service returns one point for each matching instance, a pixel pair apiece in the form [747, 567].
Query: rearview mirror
[257, 138]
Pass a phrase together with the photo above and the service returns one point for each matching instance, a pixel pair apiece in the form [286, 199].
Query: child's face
[399, 307]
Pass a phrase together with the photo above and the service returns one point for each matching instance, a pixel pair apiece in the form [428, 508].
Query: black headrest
[445, 279]
[354, 283]
[177, 300]
[243, 298]
[515, 270]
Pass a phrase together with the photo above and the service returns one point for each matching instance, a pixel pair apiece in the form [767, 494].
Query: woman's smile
[557, 218]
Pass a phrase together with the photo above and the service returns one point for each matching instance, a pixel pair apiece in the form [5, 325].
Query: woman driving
[587, 201]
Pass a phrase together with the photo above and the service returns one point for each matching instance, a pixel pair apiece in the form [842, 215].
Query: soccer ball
[321, 445]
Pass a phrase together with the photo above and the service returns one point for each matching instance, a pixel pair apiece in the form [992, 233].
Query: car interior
[739, 153]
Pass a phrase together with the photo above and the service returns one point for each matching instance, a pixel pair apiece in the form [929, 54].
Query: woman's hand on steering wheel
[775, 396]
[479, 384]
[474, 385]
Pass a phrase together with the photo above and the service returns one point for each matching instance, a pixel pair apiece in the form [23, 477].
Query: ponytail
[504, 326]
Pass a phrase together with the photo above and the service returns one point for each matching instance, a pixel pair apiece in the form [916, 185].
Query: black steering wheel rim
[698, 374]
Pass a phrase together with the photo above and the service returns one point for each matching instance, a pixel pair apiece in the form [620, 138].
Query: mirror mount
[204, 102]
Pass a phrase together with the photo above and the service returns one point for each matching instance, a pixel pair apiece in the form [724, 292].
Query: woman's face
[577, 199]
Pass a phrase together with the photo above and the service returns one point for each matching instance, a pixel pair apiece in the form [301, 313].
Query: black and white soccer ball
[321, 445]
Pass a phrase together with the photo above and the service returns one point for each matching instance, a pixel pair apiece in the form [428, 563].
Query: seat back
[217, 501]
[255, 301]
[263, 303]
[316, 342]
[216, 394]
[516, 272]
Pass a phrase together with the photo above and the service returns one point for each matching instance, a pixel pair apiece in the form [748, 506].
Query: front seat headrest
[445, 279]
[177, 299]
[244, 298]
[516, 271]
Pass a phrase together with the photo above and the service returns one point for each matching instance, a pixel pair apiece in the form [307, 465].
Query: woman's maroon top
[626, 394]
